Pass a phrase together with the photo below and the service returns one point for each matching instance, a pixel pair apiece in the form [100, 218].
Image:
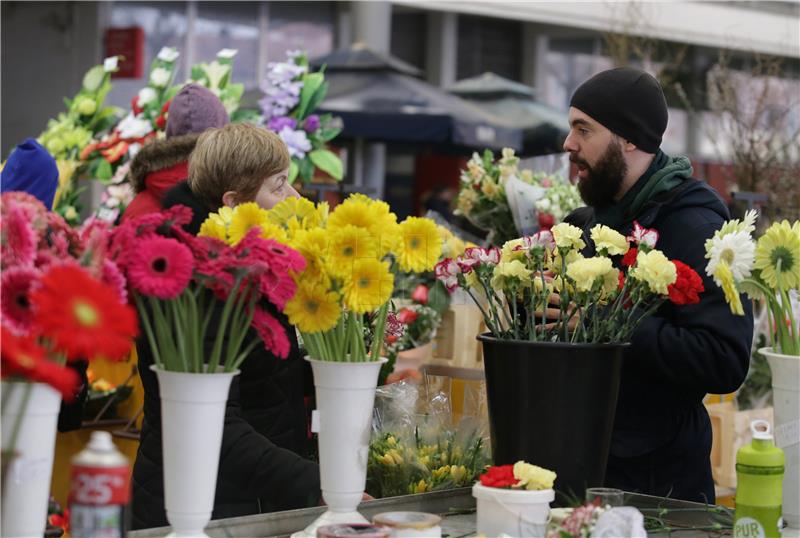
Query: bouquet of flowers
[766, 269]
[68, 135]
[179, 280]
[216, 76]
[498, 197]
[521, 475]
[291, 93]
[588, 299]
[344, 286]
[62, 298]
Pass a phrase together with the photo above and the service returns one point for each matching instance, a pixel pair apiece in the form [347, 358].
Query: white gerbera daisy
[737, 249]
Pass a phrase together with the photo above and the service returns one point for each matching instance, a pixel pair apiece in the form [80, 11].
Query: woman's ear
[229, 199]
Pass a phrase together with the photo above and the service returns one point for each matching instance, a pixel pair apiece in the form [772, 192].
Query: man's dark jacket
[261, 465]
[662, 434]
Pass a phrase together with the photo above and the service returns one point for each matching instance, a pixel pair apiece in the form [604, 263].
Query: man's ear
[628, 146]
[229, 199]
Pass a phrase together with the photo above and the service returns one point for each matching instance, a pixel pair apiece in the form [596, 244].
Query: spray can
[759, 476]
[99, 490]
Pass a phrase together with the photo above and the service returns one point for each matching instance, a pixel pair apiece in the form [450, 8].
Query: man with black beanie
[662, 434]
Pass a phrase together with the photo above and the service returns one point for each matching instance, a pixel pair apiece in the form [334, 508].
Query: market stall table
[457, 507]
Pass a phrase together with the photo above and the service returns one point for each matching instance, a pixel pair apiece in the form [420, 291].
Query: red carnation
[687, 286]
[630, 257]
[499, 476]
[420, 294]
[621, 277]
[407, 316]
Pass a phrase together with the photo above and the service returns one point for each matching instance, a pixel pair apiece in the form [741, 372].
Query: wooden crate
[731, 429]
[455, 343]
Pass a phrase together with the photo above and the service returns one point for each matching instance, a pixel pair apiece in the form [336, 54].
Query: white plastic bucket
[515, 512]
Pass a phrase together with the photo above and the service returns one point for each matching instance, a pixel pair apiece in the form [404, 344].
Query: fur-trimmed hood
[159, 155]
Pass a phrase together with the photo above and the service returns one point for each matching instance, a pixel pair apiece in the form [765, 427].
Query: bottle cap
[761, 430]
[101, 442]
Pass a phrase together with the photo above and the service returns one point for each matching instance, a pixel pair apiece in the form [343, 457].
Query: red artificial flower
[161, 121]
[23, 357]
[161, 267]
[629, 259]
[499, 476]
[407, 316]
[82, 316]
[687, 286]
[546, 221]
[420, 294]
[16, 285]
[272, 333]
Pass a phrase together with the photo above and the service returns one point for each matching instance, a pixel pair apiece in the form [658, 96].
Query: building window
[230, 25]
[409, 36]
[486, 44]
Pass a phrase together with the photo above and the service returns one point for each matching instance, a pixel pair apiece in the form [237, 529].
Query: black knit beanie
[627, 101]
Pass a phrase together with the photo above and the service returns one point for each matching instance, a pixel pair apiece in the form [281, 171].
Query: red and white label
[100, 485]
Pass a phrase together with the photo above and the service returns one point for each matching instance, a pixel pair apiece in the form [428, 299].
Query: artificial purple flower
[312, 123]
[277, 123]
[297, 142]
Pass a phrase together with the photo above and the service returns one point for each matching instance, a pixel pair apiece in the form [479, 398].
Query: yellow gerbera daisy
[372, 215]
[778, 256]
[291, 207]
[368, 286]
[226, 214]
[313, 308]
[244, 217]
[421, 245]
[347, 245]
[353, 211]
[214, 226]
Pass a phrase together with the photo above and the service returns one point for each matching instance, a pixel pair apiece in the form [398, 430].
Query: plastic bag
[621, 521]
[522, 198]
[417, 446]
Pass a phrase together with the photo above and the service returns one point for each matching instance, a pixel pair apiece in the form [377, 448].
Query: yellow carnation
[491, 189]
[568, 236]
[510, 272]
[532, 477]
[609, 241]
[585, 272]
[656, 270]
[508, 252]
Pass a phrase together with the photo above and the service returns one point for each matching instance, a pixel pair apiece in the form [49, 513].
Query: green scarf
[664, 174]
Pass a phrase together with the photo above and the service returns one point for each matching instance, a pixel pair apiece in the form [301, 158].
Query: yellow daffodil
[656, 270]
[368, 286]
[313, 308]
[420, 246]
[778, 256]
[609, 241]
[568, 236]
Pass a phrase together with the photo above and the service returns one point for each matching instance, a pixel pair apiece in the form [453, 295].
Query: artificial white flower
[168, 54]
[160, 77]
[227, 53]
[133, 127]
[146, 95]
[737, 249]
[111, 64]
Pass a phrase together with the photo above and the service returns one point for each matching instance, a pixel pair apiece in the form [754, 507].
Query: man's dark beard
[604, 179]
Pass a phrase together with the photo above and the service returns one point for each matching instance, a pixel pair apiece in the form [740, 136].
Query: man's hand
[411, 374]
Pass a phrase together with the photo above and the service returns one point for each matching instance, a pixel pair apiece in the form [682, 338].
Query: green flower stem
[486, 317]
[216, 352]
[242, 355]
[179, 323]
[380, 329]
[148, 330]
[164, 335]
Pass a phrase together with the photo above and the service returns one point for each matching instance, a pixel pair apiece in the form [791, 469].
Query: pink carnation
[272, 333]
[160, 267]
[16, 285]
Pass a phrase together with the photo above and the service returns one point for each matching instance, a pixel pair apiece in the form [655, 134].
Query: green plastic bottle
[759, 475]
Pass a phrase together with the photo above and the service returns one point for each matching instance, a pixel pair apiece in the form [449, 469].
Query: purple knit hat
[193, 110]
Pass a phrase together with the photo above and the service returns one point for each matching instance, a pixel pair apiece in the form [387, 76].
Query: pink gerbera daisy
[272, 333]
[111, 275]
[278, 287]
[18, 239]
[161, 267]
[17, 284]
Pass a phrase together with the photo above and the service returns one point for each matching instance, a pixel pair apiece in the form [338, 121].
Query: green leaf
[245, 115]
[311, 84]
[104, 171]
[198, 75]
[293, 170]
[328, 162]
[317, 98]
[235, 91]
[306, 168]
[93, 78]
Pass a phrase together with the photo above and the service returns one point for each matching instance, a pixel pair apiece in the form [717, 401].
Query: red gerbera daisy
[82, 316]
[22, 357]
[272, 333]
[17, 284]
[161, 267]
